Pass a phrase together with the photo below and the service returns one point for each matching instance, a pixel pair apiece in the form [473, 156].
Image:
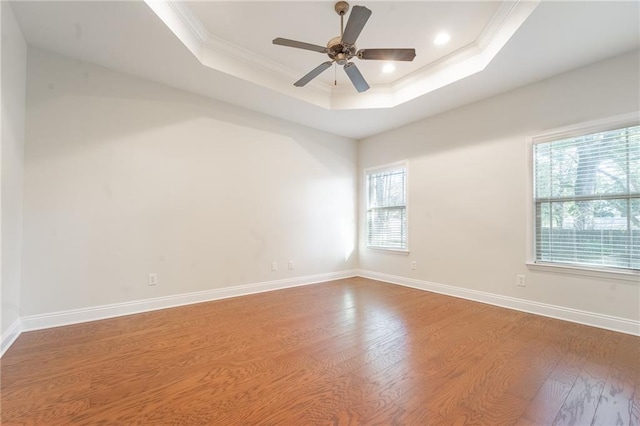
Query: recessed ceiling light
[388, 68]
[442, 38]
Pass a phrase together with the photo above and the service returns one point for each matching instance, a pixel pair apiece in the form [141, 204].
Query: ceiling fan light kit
[342, 49]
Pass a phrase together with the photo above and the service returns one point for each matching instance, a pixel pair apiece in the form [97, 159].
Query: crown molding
[222, 48]
[497, 22]
[190, 20]
[226, 57]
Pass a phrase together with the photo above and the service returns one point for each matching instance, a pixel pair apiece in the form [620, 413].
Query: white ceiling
[392, 24]
[543, 40]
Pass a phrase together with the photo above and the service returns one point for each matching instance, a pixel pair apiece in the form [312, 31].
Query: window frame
[382, 168]
[577, 130]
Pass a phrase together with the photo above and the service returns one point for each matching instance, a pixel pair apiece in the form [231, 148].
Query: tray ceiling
[236, 38]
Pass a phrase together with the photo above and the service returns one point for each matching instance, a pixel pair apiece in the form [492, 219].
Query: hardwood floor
[349, 352]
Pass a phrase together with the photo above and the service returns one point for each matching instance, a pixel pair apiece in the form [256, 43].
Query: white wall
[14, 64]
[469, 189]
[124, 177]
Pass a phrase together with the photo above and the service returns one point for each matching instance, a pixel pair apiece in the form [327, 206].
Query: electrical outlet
[520, 281]
[152, 279]
[414, 265]
[274, 266]
[291, 265]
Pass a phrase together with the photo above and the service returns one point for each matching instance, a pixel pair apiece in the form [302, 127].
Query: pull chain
[335, 74]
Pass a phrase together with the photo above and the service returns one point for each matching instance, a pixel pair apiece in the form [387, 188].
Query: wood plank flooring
[348, 352]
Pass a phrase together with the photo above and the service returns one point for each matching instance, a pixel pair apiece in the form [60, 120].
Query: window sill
[389, 250]
[610, 274]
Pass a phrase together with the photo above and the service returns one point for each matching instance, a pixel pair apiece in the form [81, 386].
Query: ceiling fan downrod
[341, 8]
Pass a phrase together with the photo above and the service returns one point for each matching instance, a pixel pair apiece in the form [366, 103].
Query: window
[587, 199]
[387, 207]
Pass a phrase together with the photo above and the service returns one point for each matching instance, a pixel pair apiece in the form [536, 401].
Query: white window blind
[587, 199]
[387, 207]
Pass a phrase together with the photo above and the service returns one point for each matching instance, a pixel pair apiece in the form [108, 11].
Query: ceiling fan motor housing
[340, 52]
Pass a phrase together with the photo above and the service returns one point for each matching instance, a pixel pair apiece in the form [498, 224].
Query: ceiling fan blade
[313, 74]
[299, 44]
[357, 19]
[356, 77]
[387, 54]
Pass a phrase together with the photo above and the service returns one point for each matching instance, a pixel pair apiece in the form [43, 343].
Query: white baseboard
[74, 316]
[56, 319]
[10, 336]
[621, 325]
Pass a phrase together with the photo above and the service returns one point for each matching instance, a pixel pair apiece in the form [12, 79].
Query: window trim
[595, 126]
[576, 130]
[586, 271]
[382, 168]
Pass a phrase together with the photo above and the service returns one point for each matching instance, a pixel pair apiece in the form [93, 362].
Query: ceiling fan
[342, 49]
